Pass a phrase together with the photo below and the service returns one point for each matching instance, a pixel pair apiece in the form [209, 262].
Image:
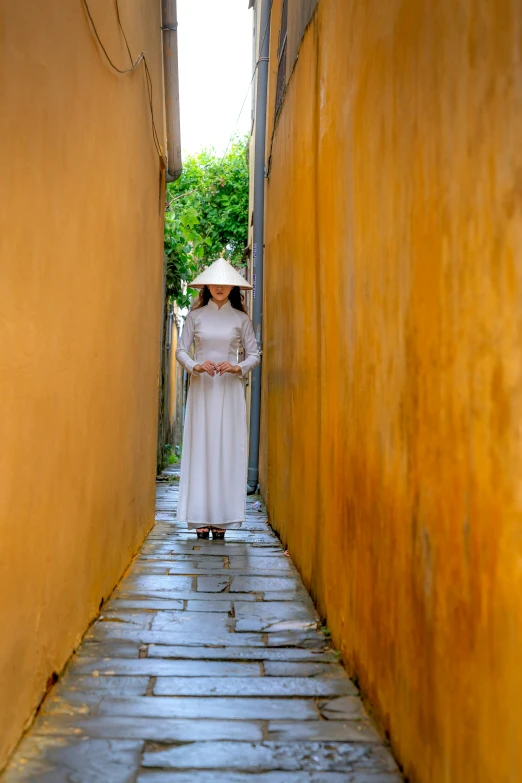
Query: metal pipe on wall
[258, 238]
[169, 25]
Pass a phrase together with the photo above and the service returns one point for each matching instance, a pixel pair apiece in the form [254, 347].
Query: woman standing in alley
[212, 491]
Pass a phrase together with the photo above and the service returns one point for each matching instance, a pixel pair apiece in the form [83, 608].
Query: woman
[212, 490]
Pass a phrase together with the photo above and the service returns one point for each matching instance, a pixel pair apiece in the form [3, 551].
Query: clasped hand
[217, 369]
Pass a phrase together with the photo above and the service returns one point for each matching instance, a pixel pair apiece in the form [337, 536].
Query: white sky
[215, 68]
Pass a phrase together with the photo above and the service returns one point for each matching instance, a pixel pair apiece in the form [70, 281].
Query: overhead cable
[260, 59]
[142, 57]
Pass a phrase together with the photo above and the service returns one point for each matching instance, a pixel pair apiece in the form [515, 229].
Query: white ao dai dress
[212, 489]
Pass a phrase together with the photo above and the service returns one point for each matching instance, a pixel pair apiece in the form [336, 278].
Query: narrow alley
[207, 665]
[281, 240]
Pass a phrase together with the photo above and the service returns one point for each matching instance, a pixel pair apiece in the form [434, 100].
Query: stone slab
[138, 619]
[257, 563]
[161, 667]
[307, 639]
[157, 545]
[216, 552]
[234, 653]
[209, 606]
[208, 623]
[254, 686]
[270, 617]
[195, 776]
[200, 565]
[147, 583]
[152, 729]
[299, 594]
[208, 707]
[116, 649]
[293, 756]
[213, 584]
[190, 639]
[295, 669]
[116, 686]
[181, 569]
[72, 703]
[200, 597]
[246, 537]
[211, 549]
[322, 731]
[73, 760]
[343, 708]
[246, 584]
[144, 604]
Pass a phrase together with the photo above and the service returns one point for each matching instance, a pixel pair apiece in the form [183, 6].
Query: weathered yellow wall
[392, 454]
[80, 299]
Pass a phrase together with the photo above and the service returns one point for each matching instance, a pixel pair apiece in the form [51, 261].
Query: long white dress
[212, 489]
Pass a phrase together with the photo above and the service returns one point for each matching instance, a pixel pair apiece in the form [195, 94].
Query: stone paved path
[206, 666]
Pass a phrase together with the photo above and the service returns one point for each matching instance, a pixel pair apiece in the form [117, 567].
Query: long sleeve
[252, 357]
[184, 345]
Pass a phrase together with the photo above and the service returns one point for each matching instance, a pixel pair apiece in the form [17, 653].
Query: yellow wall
[80, 308]
[392, 455]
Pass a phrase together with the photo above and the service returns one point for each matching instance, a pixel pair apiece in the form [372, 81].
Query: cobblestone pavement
[207, 665]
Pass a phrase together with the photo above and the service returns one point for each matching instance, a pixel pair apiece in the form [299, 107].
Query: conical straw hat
[221, 272]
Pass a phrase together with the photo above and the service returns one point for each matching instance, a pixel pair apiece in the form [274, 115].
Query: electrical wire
[149, 81]
[104, 50]
[142, 57]
[147, 76]
[122, 30]
[260, 59]
[151, 106]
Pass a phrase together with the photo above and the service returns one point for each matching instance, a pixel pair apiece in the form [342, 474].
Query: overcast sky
[215, 68]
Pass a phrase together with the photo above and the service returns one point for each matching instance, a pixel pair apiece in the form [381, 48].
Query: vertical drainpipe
[259, 230]
[169, 25]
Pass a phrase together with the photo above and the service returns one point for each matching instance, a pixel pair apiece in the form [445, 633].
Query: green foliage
[171, 457]
[206, 214]
[183, 248]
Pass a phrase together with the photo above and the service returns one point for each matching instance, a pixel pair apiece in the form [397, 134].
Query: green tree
[206, 213]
